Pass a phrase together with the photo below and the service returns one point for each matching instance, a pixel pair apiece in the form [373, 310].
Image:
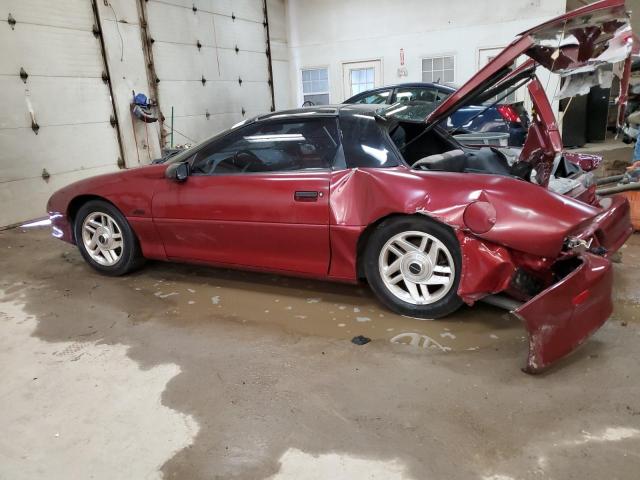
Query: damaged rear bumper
[563, 316]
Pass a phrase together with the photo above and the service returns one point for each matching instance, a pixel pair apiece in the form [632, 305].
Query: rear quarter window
[365, 143]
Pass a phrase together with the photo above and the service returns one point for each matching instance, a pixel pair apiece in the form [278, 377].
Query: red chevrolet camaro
[350, 192]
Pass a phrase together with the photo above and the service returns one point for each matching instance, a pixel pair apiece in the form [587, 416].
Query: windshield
[414, 110]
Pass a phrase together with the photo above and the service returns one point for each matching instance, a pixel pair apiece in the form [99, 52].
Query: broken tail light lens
[509, 113]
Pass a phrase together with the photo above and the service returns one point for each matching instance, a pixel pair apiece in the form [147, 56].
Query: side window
[365, 143]
[276, 146]
[375, 98]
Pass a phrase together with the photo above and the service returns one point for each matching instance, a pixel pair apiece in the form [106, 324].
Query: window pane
[315, 80]
[427, 77]
[448, 76]
[317, 99]
[427, 64]
[448, 62]
[370, 75]
[437, 63]
[364, 143]
[271, 147]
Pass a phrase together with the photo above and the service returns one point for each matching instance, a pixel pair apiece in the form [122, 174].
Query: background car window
[375, 98]
[271, 147]
[365, 143]
[419, 101]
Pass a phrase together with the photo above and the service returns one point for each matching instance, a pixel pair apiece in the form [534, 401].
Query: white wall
[330, 32]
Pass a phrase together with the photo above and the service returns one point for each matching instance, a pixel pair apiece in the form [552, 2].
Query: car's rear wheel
[413, 265]
[105, 239]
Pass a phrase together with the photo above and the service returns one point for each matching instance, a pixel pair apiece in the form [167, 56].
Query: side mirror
[178, 172]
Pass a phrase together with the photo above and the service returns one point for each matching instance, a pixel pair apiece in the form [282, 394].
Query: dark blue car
[423, 98]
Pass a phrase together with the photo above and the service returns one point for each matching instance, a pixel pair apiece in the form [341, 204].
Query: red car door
[259, 197]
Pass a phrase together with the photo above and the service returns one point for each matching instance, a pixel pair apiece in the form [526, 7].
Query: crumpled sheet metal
[563, 316]
[486, 268]
[581, 83]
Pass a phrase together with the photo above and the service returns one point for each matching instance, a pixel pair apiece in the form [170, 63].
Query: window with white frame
[315, 86]
[438, 69]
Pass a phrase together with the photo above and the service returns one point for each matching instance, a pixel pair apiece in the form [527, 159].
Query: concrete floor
[192, 373]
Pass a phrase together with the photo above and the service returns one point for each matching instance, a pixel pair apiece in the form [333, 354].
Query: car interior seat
[484, 160]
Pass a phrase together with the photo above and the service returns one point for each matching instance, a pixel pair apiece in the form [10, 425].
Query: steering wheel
[244, 159]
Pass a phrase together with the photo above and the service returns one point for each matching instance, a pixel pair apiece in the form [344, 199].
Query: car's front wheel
[105, 239]
[413, 265]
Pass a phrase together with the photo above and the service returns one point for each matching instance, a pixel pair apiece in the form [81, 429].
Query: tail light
[509, 113]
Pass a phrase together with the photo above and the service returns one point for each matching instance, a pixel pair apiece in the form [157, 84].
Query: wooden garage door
[210, 59]
[64, 94]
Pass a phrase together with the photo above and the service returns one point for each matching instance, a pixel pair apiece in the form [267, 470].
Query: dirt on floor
[188, 372]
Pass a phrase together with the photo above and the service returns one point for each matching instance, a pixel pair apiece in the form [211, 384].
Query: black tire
[446, 305]
[131, 255]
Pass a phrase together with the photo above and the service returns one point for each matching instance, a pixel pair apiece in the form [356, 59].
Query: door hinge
[23, 75]
[113, 121]
[12, 21]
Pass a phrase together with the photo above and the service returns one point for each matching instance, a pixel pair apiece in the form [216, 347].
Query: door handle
[306, 196]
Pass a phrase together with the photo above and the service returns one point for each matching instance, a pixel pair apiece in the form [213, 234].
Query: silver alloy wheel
[102, 238]
[416, 267]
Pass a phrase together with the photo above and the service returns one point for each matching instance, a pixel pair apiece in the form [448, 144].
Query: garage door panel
[221, 7]
[16, 210]
[51, 98]
[187, 4]
[76, 14]
[184, 62]
[50, 51]
[246, 35]
[163, 20]
[254, 96]
[119, 10]
[56, 149]
[249, 66]
[200, 128]
[216, 98]
[190, 99]
[249, 9]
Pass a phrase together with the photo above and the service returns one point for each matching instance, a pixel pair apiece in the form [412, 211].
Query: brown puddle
[190, 295]
[310, 307]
